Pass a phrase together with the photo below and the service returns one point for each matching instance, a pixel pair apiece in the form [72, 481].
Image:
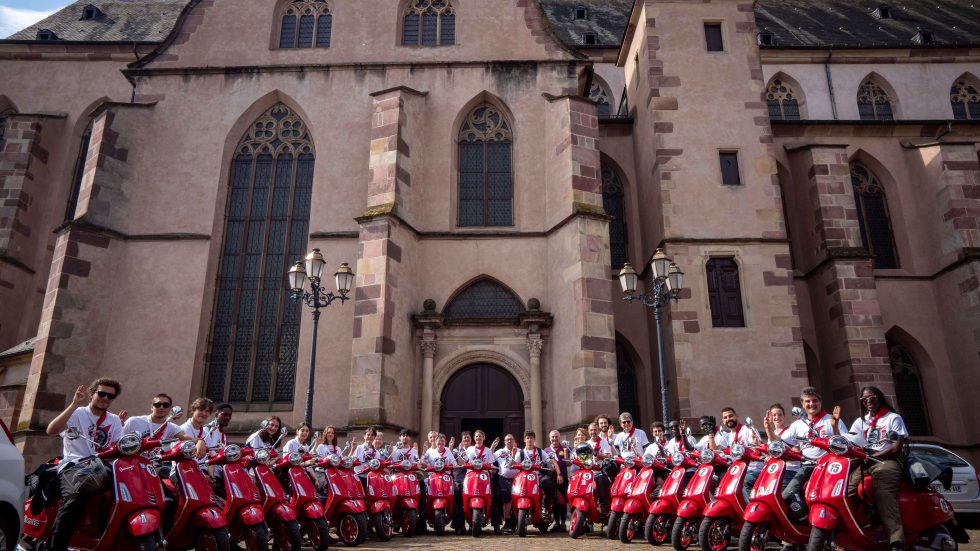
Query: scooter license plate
[953, 489]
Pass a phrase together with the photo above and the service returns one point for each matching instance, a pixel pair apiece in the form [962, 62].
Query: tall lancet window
[429, 23]
[486, 182]
[305, 24]
[874, 104]
[255, 328]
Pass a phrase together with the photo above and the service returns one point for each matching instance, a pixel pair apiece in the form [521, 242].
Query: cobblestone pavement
[536, 541]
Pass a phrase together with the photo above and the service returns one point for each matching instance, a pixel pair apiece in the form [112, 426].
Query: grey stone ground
[550, 542]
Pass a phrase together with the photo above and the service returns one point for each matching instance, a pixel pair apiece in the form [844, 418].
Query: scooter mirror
[176, 410]
[797, 411]
[264, 424]
[316, 435]
[283, 430]
[72, 433]
[748, 421]
[564, 443]
[688, 431]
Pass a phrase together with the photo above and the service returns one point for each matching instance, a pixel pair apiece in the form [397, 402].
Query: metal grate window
[725, 293]
[255, 327]
[429, 23]
[873, 218]
[305, 24]
[484, 299]
[486, 181]
[964, 96]
[614, 204]
[874, 103]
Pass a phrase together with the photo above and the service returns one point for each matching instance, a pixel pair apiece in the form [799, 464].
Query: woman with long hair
[301, 442]
[265, 437]
[326, 443]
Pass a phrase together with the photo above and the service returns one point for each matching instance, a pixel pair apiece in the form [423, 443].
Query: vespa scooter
[638, 502]
[583, 500]
[767, 515]
[279, 514]
[664, 510]
[344, 501]
[406, 495]
[439, 504]
[197, 521]
[723, 516]
[619, 492]
[528, 498]
[477, 495]
[243, 508]
[379, 496]
[697, 496]
[303, 499]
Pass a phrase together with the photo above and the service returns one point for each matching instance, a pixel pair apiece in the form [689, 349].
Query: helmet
[583, 451]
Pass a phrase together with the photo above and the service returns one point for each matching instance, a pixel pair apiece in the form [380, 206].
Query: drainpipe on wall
[830, 82]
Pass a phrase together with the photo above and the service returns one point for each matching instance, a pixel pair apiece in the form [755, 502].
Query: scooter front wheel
[352, 529]
[479, 520]
[439, 519]
[522, 522]
[382, 524]
[318, 532]
[213, 540]
[715, 533]
[683, 533]
[612, 530]
[657, 529]
[287, 536]
[753, 537]
[819, 538]
[256, 537]
[409, 519]
[146, 543]
[577, 527]
[627, 528]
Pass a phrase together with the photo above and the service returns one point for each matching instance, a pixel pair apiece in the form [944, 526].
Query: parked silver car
[11, 490]
[964, 493]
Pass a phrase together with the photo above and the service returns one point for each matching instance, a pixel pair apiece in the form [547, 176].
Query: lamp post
[317, 297]
[666, 281]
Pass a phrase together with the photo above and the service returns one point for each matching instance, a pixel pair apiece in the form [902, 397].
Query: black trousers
[561, 508]
[72, 507]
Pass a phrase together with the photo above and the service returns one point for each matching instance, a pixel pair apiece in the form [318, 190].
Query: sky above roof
[18, 14]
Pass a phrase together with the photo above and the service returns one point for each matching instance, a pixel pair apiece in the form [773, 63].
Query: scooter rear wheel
[657, 529]
[318, 532]
[479, 519]
[409, 519]
[753, 536]
[522, 522]
[612, 530]
[715, 533]
[681, 536]
[577, 526]
[256, 537]
[213, 540]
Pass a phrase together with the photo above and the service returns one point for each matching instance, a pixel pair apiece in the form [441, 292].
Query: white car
[964, 492]
[11, 490]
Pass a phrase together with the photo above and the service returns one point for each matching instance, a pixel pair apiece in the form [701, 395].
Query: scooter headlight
[348, 463]
[261, 456]
[677, 458]
[440, 464]
[406, 464]
[129, 444]
[477, 464]
[777, 448]
[295, 459]
[336, 460]
[374, 465]
[707, 456]
[187, 449]
[233, 452]
[838, 445]
[738, 451]
[648, 460]
[526, 464]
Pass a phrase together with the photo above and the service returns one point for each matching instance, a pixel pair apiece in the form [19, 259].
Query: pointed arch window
[429, 23]
[908, 389]
[784, 104]
[255, 328]
[613, 202]
[873, 219]
[600, 97]
[965, 99]
[484, 300]
[305, 24]
[486, 181]
[874, 103]
[4, 117]
[79, 172]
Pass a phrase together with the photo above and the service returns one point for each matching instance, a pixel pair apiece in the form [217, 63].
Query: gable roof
[120, 21]
[607, 19]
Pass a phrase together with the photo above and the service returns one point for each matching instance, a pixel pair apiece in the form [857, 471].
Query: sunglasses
[160, 405]
[626, 422]
[104, 394]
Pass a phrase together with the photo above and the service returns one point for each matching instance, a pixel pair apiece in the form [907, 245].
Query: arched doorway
[483, 396]
[627, 379]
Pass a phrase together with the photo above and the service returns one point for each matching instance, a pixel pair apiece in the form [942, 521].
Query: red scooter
[638, 502]
[439, 500]
[583, 501]
[664, 510]
[619, 492]
[723, 516]
[927, 517]
[406, 494]
[477, 494]
[344, 501]
[379, 496]
[197, 521]
[766, 515]
[303, 499]
[528, 498]
[697, 496]
[279, 514]
[243, 508]
[128, 517]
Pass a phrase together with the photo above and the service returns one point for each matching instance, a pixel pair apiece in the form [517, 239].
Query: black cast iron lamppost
[666, 281]
[317, 297]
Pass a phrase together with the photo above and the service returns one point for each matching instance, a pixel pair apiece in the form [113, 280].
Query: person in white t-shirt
[599, 444]
[369, 434]
[157, 425]
[404, 448]
[745, 435]
[214, 436]
[98, 429]
[713, 439]
[301, 442]
[878, 425]
[679, 441]
[478, 450]
[502, 501]
[632, 438]
[327, 443]
[440, 451]
[266, 437]
[816, 422]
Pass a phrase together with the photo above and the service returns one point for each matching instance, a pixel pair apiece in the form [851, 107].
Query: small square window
[729, 168]
[712, 37]
[882, 12]
[581, 13]
[46, 34]
[766, 39]
[924, 38]
[90, 13]
[590, 39]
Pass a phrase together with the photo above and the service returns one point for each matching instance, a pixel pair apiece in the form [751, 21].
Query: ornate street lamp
[666, 282]
[317, 297]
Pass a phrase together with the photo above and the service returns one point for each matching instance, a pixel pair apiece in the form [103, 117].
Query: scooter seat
[866, 490]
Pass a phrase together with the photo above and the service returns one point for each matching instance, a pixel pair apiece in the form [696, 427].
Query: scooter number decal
[676, 474]
[530, 477]
[587, 476]
[835, 468]
[734, 470]
[483, 476]
[944, 505]
[773, 468]
[628, 475]
[445, 478]
[645, 474]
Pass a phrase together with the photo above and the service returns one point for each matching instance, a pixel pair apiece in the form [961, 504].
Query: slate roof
[852, 23]
[121, 21]
[22, 348]
[607, 19]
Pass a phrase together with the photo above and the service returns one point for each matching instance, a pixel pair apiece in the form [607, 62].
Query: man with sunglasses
[156, 425]
[98, 429]
[632, 438]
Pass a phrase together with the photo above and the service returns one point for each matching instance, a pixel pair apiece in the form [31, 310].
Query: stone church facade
[486, 168]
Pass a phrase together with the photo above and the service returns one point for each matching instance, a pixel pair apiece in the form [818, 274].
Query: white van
[11, 490]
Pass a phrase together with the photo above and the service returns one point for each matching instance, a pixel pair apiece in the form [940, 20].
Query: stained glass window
[782, 101]
[874, 103]
[486, 182]
[429, 23]
[964, 96]
[305, 24]
[873, 219]
[599, 95]
[255, 327]
[615, 207]
[484, 299]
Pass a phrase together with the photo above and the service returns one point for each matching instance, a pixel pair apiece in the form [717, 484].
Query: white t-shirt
[255, 441]
[366, 454]
[485, 454]
[409, 453]
[673, 445]
[295, 445]
[822, 427]
[503, 457]
[743, 437]
[433, 454]
[146, 428]
[875, 429]
[324, 450]
[537, 456]
[653, 449]
[212, 439]
[621, 437]
[103, 434]
[602, 446]
[720, 440]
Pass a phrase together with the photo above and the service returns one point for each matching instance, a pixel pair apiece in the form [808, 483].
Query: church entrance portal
[483, 396]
